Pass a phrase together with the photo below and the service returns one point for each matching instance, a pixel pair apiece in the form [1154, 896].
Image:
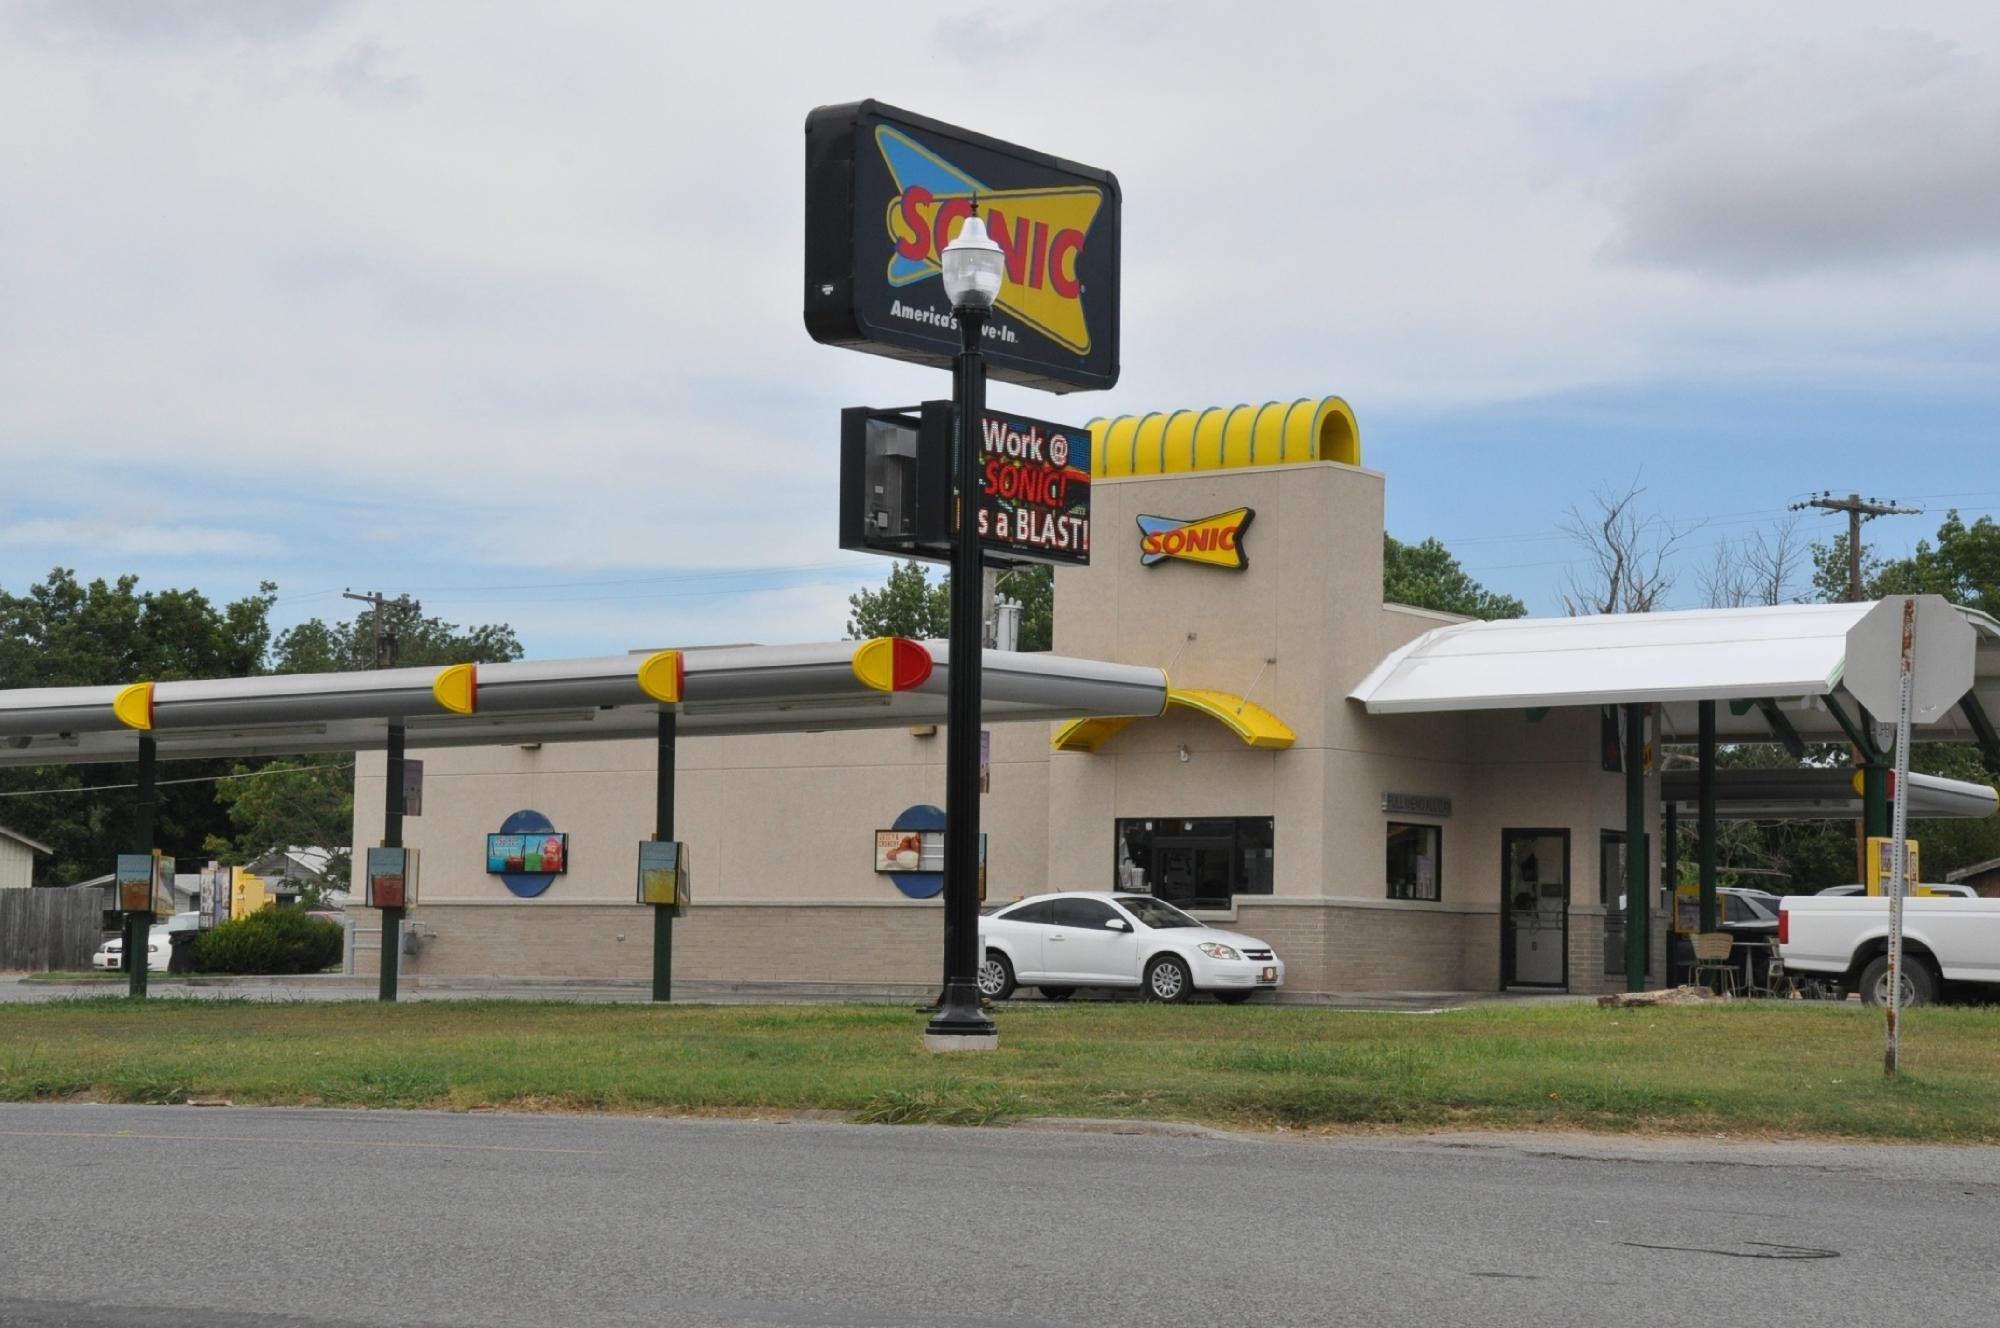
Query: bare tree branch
[1625, 555]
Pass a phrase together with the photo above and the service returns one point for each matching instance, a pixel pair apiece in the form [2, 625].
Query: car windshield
[1154, 913]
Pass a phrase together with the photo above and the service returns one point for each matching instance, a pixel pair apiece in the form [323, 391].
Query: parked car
[110, 956]
[1951, 946]
[1063, 941]
[1923, 888]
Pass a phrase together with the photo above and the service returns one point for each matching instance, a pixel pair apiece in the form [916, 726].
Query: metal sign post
[1911, 655]
[1899, 826]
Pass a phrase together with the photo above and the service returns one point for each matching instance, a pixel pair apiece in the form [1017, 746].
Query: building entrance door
[1534, 913]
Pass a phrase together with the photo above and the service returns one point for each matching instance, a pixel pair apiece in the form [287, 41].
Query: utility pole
[385, 640]
[392, 790]
[1874, 773]
[1858, 509]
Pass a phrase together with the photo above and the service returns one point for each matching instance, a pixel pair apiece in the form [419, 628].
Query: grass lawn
[1752, 1069]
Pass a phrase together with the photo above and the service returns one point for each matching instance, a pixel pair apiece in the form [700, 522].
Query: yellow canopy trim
[1218, 438]
[134, 706]
[1256, 726]
[457, 688]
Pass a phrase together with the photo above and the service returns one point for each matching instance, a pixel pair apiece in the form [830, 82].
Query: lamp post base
[945, 1042]
[961, 1025]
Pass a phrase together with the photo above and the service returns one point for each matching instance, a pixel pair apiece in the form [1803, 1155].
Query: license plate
[1268, 975]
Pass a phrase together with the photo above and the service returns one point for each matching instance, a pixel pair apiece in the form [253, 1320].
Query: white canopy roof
[1793, 654]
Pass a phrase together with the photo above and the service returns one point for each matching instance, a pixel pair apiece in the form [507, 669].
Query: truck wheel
[1919, 987]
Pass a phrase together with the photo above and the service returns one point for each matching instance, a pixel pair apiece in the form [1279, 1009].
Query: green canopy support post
[1705, 831]
[1635, 848]
[1874, 789]
[392, 837]
[139, 926]
[663, 830]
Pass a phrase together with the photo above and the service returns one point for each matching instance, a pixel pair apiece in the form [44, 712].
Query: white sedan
[110, 956]
[1074, 939]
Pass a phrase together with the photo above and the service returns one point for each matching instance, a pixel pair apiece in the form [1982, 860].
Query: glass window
[1042, 911]
[1195, 862]
[1090, 913]
[1416, 861]
[1611, 893]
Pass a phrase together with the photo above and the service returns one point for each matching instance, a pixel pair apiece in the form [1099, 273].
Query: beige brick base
[1327, 946]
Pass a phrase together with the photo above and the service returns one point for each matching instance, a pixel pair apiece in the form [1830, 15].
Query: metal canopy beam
[1781, 728]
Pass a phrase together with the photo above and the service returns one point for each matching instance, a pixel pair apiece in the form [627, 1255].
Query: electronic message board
[887, 190]
[897, 498]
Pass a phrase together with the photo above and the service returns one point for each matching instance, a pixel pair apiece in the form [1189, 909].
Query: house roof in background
[18, 837]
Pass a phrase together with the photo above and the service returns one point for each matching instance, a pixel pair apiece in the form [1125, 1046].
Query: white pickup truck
[1946, 943]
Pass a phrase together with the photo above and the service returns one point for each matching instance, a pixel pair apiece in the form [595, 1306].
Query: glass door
[1534, 930]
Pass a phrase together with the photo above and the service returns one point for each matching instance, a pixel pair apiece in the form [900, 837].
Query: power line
[161, 783]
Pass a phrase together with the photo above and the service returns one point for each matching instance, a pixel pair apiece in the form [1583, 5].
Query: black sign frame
[852, 198]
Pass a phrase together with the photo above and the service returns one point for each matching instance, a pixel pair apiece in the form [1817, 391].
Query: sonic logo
[1216, 540]
[1041, 232]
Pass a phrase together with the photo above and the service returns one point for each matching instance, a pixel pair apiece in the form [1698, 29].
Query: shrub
[271, 940]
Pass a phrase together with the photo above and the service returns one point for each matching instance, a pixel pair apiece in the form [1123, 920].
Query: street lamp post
[974, 270]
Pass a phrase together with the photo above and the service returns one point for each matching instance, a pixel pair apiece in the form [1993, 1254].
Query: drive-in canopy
[886, 682]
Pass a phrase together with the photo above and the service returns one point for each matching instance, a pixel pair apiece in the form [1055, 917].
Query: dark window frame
[1437, 875]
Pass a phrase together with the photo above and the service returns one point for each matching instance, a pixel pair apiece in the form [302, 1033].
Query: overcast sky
[498, 303]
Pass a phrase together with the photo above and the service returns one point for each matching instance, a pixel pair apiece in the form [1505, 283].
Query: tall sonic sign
[887, 190]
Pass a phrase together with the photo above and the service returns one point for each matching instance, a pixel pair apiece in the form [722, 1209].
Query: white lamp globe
[974, 267]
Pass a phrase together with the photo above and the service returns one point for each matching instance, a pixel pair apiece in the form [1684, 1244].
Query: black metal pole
[663, 829]
[960, 1015]
[139, 926]
[392, 837]
[1705, 814]
[1635, 848]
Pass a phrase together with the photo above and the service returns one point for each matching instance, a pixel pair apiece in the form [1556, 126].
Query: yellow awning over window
[1256, 726]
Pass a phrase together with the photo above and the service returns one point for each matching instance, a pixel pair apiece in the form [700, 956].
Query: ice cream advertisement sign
[887, 190]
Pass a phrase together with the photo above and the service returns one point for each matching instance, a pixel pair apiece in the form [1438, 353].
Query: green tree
[306, 802]
[65, 633]
[908, 604]
[1034, 589]
[1963, 565]
[1426, 576]
[316, 646]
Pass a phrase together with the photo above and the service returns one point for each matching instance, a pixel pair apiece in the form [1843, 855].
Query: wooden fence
[49, 929]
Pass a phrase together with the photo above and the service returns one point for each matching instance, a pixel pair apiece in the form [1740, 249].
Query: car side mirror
[1117, 924]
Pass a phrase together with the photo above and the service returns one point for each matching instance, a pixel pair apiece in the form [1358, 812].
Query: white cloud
[106, 534]
[532, 277]
[1879, 147]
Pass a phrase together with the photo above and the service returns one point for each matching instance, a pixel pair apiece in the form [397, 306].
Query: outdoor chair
[1711, 963]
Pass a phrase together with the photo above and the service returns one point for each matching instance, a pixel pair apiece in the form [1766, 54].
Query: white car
[1074, 939]
[110, 956]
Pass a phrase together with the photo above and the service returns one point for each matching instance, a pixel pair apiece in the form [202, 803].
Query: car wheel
[996, 977]
[1232, 997]
[1058, 993]
[1167, 980]
[1919, 987]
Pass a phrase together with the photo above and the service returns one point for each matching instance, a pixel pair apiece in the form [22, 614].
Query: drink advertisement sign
[887, 190]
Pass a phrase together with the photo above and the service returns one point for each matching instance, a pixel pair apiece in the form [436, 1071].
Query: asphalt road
[175, 1217]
